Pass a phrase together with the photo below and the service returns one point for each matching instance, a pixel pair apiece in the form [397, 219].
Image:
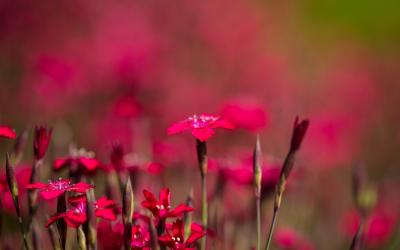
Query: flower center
[60, 184]
[201, 121]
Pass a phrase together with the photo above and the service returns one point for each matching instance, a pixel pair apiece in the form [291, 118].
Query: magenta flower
[140, 238]
[174, 238]
[161, 208]
[85, 164]
[287, 238]
[7, 132]
[56, 188]
[202, 126]
[76, 215]
[41, 141]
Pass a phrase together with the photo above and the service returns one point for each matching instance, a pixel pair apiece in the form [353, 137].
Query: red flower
[140, 238]
[57, 188]
[86, 164]
[202, 126]
[174, 238]
[76, 215]
[41, 141]
[7, 132]
[161, 208]
[117, 157]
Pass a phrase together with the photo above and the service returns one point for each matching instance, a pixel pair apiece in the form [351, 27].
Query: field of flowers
[219, 124]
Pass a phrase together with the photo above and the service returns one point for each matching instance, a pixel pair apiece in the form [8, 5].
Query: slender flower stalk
[299, 131]
[201, 148]
[13, 186]
[61, 225]
[357, 239]
[54, 237]
[90, 225]
[127, 209]
[187, 216]
[153, 234]
[257, 173]
[81, 238]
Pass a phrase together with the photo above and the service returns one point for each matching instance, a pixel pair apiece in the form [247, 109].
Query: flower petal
[54, 218]
[165, 197]
[7, 132]
[107, 214]
[149, 196]
[51, 194]
[75, 219]
[203, 134]
[90, 164]
[182, 208]
[178, 127]
[37, 185]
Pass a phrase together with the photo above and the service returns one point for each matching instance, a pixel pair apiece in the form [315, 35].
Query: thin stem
[271, 229]
[258, 205]
[356, 242]
[204, 208]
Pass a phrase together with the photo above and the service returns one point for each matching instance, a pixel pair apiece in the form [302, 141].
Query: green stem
[204, 208]
[271, 229]
[258, 205]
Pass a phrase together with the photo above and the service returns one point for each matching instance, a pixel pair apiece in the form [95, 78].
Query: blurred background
[105, 71]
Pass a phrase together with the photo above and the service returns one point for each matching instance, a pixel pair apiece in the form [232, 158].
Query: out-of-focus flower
[7, 132]
[288, 239]
[76, 215]
[378, 227]
[110, 236]
[127, 107]
[22, 174]
[41, 141]
[202, 126]
[161, 208]
[86, 164]
[56, 188]
[174, 238]
[140, 238]
[246, 115]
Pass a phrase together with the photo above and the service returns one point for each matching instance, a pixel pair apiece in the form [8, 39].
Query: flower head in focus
[174, 238]
[56, 188]
[161, 208]
[7, 132]
[202, 126]
[41, 141]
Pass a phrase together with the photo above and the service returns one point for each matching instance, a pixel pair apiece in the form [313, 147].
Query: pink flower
[56, 188]
[85, 164]
[287, 238]
[41, 141]
[246, 115]
[7, 132]
[127, 107]
[76, 215]
[140, 238]
[174, 238]
[377, 229]
[161, 208]
[110, 236]
[202, 126]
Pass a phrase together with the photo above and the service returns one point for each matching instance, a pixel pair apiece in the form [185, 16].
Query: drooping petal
[194, 235]
[203, 134]
[179, 210]
[48, 194]
[37, 185]
[54, 218]
[75, 219]
[107, 214]
[7, 132]
[178, 128]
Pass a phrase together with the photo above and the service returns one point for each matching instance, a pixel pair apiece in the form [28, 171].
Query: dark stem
[356, 242]
[201, 148]
[61, 225]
